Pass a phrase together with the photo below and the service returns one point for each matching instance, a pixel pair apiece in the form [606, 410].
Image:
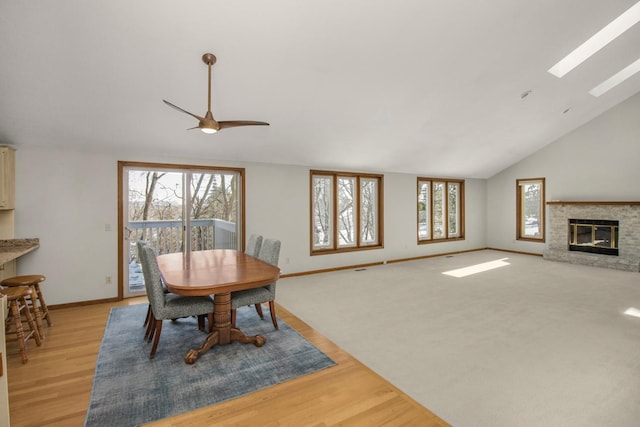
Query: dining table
[216, 272]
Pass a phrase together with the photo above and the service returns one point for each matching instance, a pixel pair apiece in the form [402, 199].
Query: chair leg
[148, 335]
[157, 329]
[43, 305]
[210, 321]
[36, 311]
[259, 310]
[148, 317]
[272, 309]
[233, 317]
[201, 322]
[15, 314]
[31, 323]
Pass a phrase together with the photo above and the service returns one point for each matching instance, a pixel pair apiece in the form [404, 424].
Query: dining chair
[140, 244]
[167, 305]
[269, 253]
[253, 245]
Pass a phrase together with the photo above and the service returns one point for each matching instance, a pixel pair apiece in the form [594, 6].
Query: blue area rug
[129, 389]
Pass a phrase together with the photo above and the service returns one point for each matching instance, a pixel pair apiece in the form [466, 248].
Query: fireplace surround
[610, 228]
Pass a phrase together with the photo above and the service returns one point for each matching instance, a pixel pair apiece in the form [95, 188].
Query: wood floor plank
[58, 378]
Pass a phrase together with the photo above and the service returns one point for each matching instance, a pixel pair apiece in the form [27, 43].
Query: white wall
[66, 198]
[598, 161]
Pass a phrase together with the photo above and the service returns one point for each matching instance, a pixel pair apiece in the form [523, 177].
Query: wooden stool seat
[40, 311]
[23, 280]
[16, 298]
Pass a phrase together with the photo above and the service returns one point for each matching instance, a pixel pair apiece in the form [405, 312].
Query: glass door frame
[125, 166]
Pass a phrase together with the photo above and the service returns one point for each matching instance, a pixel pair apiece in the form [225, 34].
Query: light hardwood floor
[53, 388]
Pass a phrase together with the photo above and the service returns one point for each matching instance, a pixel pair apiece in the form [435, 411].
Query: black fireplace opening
[594, 236]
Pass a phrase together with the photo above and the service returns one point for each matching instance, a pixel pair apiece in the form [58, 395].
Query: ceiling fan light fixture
[208, 124]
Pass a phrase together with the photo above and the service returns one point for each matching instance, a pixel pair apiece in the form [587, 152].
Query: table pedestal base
[214, 338]
[222, 332]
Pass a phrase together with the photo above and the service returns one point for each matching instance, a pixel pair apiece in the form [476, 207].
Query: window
[440, 210]
[176, 208]
[530, 209]
[346, 211]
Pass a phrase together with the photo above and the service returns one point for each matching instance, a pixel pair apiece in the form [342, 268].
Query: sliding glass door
[174, 209]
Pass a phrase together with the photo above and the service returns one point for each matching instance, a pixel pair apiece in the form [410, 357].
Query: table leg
[192, 356]
[222, 332]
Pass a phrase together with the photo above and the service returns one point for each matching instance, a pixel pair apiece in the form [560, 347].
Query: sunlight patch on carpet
[478, 268]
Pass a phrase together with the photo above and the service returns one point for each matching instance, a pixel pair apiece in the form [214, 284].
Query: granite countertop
[11, 249]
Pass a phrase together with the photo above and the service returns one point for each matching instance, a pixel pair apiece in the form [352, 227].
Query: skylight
[632, 311]
[478, 268]
[599, 40]
[616, 79]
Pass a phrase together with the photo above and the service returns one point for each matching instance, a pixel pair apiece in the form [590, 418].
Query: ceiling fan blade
[180, 109]
[235, 123]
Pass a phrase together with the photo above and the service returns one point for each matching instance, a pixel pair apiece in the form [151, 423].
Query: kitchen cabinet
[7, 177]
[7, 191]
[4, 388]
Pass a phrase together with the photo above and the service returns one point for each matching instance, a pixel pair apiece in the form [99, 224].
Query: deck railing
[167, 236]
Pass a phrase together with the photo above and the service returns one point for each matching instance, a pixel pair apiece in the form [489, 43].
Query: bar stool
[32, 281]
[16, 298]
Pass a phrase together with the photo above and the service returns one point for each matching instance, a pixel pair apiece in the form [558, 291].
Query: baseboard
[391, 261]
[515, 252]
[83, 303]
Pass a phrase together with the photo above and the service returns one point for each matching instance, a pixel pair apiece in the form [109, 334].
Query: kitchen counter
[11, 249]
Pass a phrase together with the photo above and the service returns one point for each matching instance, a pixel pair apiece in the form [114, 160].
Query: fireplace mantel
[582, 202]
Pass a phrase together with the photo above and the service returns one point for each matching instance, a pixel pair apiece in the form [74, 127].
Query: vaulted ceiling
[418, 86]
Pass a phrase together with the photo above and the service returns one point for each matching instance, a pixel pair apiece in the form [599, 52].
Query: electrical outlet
[107, 280]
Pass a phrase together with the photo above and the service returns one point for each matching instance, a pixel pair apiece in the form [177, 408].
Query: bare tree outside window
[154, 197]
[369, 211]
[158, 197]
[530, 202]
[321, 211]
[452, 208]
[345, 211]
[424, 211]
[440, 210]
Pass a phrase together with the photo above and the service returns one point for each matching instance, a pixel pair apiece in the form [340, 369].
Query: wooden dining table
[216, 272]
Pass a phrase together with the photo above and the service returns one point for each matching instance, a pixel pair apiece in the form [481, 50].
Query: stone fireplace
[601, 234]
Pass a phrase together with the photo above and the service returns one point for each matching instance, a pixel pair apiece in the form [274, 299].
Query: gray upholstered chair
[270, 253]
[168, 305]
[253, 245]
[140, 244]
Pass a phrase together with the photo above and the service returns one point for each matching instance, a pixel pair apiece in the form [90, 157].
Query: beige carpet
[528, 343]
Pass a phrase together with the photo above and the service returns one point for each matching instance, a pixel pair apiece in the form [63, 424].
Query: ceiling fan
[208, 124]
